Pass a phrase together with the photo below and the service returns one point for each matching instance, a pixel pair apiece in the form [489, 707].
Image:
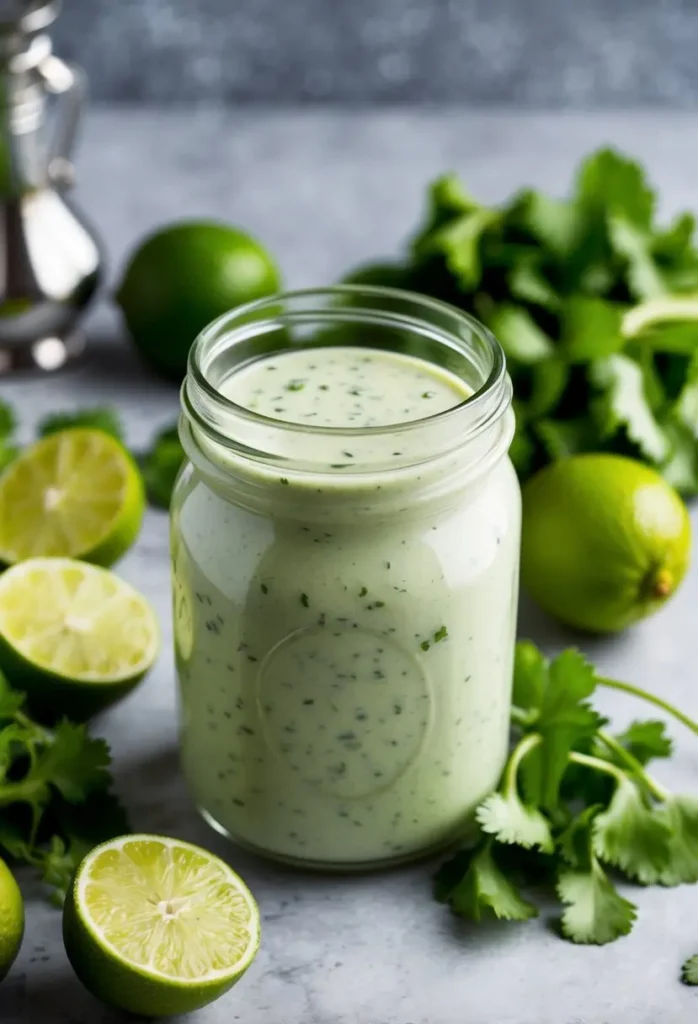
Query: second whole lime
[606, 541]
[184, 276]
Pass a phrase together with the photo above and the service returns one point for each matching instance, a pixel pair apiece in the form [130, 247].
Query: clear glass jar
[344, 630]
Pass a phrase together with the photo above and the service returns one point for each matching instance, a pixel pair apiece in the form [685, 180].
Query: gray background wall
[518, 52]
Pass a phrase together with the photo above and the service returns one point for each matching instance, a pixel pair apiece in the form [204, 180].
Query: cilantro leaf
[689, 971]
[59, 866]
[528, 283]
[632, 836]
[13, 840]
[623, 404]
[634, 245]
[10, 700]
[595, 913]
[547, 382]
[519, 335]
[510, 821]
[458, 242]
[161, 466]
[679, 814]
[564, 720]
[98, 419]
[15, 739]
[74, 763]
[505, 816]
[676, 338]
[591, 329]
[609, 182]
[645, 741]
[554, 223]
[447, 199]
[485, 893]
[681, 468]
[450, 873]
[685, 408]
[562, 438]
[574, 842]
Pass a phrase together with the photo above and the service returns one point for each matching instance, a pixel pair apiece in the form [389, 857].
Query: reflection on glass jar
[345, 548]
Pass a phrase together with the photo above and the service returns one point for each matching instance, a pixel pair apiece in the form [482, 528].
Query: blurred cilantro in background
[592, 303]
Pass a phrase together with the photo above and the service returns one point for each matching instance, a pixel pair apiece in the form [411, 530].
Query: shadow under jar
[345, 544]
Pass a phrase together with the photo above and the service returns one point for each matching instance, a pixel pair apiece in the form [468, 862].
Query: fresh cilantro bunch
[55, 793]
[591, 301]
[574, 803]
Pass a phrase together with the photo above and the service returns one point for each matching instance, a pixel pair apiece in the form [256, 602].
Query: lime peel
[11, 919]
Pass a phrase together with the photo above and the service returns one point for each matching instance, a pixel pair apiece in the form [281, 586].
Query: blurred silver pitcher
[49, 258]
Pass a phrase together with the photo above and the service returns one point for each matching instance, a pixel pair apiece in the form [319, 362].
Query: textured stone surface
[537, 53]
[325, 191]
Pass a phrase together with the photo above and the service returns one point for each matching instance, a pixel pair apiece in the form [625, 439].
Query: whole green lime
[11, 919]
[606, 541]
[184, 276]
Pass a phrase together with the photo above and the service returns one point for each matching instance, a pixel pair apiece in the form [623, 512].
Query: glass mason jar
[345, 595]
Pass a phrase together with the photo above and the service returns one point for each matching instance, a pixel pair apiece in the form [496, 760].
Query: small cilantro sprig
[55, 793]
[689, 971]
[593, 302]
[574, 802]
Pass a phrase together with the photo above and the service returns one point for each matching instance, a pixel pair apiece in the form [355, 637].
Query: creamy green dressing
[345, 387]
[345, 685]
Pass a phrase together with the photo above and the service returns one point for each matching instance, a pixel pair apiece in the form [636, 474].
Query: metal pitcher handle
[68, 82]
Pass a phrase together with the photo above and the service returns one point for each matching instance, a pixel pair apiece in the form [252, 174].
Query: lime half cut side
[73, 636]
[76, 493]
[156, 926]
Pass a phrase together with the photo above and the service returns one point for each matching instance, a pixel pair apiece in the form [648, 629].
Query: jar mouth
[358, 316]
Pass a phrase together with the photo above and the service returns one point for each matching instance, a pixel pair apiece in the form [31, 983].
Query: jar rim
[252, 434]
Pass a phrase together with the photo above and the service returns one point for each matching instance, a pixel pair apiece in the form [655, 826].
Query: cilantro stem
[519, 752]
[634, 765]
[655, 311]
[598, 765]
[520, 716]
[20, 792]
[651, 698]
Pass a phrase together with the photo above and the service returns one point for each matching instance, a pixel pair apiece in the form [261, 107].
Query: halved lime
[11, 919]
[156, 926]
[76, 493]
[74, 637]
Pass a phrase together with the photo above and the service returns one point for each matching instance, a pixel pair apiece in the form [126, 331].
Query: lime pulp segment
[168, 909]
[76, 620]
[77, 492]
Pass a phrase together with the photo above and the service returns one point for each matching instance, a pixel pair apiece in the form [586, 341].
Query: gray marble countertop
[325, 190]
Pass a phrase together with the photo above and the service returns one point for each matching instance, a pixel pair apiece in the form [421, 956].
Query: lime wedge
[76, 493]
[74, 637]
[156, 926]
[11, 919]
